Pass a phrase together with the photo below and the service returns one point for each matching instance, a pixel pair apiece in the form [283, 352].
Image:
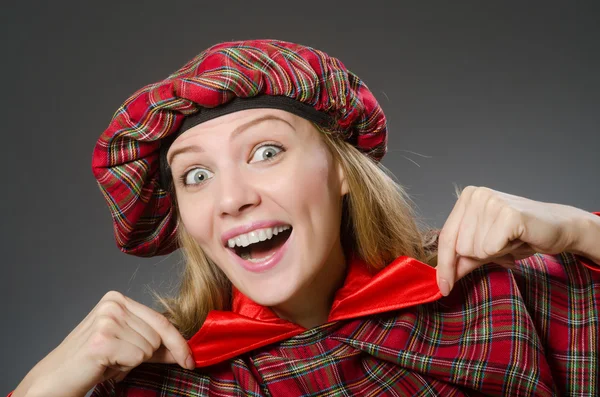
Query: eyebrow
[236, 132]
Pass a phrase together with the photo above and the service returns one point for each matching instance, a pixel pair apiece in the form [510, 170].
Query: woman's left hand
[490, 226]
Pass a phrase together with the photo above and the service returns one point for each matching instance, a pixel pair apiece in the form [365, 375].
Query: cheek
[312, 187]
[196, 219]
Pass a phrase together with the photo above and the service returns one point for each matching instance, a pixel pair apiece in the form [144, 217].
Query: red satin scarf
[403, 283]
[225, 334]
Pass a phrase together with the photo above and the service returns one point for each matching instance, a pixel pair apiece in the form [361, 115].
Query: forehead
[232, 122]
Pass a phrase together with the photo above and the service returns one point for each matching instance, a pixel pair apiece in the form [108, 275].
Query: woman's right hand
[115, 337]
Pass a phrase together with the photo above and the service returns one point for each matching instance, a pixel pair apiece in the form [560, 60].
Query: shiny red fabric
[403, 283]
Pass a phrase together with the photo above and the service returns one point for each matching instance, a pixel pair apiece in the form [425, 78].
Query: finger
[170, 337]
[502, 237]
[128, 334]
[465, 265]
[120, 354]
[469, 224]
[159, 354]
[85, 325]
[162, 355]
[87, 321]
[511, 248]
[447, 244]
[490, 209]
[144, 329]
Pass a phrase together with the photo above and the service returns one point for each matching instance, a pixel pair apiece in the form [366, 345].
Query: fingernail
[190, 363]
[444, 287]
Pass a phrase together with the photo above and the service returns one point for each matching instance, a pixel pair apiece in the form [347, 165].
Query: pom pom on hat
[126, 159]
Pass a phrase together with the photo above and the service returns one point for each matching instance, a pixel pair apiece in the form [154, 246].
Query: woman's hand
[116, 336]
[490, 226]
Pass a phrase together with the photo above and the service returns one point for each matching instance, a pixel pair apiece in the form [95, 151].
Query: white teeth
[262, 236]
[244, 240]
[253, 237]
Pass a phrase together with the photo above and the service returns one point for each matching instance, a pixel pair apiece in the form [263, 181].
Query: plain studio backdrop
[498, 94]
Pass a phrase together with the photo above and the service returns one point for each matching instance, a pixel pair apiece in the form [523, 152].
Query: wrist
[54, 385]
[587, 236]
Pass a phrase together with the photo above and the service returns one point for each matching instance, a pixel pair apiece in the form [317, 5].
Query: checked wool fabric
[126, 156]
[531, 331]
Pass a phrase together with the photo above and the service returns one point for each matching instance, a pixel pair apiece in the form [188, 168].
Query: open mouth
[260, 251]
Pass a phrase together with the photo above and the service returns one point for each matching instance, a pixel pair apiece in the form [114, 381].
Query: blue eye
[266, 152]
[197, 176]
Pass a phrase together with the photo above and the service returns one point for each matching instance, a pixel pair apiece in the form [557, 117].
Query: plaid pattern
[532, 331]
[126, 156]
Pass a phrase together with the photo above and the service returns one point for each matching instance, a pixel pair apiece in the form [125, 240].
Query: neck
[310, 306]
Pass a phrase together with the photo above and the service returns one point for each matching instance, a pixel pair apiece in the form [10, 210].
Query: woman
[306, 271]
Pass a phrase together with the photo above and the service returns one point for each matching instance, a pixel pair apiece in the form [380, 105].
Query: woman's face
[260, 193]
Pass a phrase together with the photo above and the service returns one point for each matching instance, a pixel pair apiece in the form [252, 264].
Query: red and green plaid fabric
[532, 331]
[126, 156]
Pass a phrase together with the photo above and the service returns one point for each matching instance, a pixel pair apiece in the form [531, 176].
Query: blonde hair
[378, 225]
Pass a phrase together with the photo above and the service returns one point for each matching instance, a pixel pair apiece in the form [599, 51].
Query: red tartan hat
[126, 158]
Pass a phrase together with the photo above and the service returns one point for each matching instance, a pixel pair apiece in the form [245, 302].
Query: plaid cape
[531, 331]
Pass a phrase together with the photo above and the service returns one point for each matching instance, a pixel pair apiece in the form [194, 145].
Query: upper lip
[236, 231]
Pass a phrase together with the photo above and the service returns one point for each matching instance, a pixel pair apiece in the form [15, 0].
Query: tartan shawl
[531, 331]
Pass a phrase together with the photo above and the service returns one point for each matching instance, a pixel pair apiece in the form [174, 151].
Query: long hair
[378, 225]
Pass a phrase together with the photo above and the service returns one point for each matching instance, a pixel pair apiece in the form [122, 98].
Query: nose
[237, 193]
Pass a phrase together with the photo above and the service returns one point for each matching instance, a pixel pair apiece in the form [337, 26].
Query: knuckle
[154, 341]
[464, 246]
[148, 352]
[444, 237]
[462, 249]
[493, 202]
[510, 214]
[487, 250]
[469, 190]
[98, 343]
[112, 308]
[139, 356]
[481, 193]
[441, 238]
[479, 252]
[113, 295]
[104, 322]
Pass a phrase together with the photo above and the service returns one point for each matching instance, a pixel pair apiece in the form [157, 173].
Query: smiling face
[260, 193]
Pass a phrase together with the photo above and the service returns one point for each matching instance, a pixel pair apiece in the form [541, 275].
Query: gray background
[499, 94]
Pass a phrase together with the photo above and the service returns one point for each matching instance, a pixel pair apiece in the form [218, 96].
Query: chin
[271, 288]
[271, 295]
